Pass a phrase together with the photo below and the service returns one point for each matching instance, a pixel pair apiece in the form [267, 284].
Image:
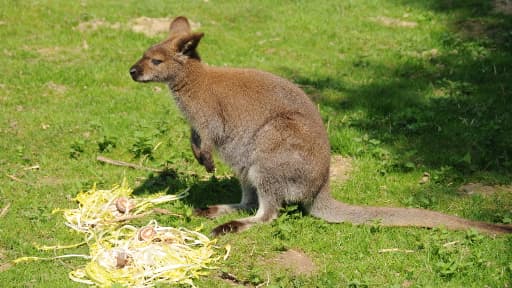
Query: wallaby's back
[245, 101]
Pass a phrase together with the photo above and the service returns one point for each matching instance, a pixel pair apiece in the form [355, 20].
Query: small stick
[450, 243]
[129, 217]
[165, 212]
[230, 277]
[142, 215]
[395, 250]
[12, 177]
[126, 164]
[4, 210]
[35, 167]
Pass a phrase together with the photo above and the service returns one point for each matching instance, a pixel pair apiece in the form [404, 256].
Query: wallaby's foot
[266, 213]
[230, 227]
[235, 226]
[218, 210]
[208, 212]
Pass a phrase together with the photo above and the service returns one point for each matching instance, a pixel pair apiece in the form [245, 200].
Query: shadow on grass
[449, 107]
[201, 192]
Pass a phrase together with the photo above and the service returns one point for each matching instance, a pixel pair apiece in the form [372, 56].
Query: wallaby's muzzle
[135, 72]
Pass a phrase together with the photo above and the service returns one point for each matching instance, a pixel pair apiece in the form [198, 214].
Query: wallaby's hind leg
[268, 208]
[249, 201]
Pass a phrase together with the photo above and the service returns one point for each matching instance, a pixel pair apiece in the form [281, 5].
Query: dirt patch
[59, 88]
[50, 181]
[473, 28]
[340, 168]
[295, 261]
[154, 26]
[58, 53]
[145, 25]
[482, 189]
[95, 24]
[503, 6]
[392, 22]
[6, 265]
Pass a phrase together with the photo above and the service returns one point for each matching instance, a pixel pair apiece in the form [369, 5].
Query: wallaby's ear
[187, 45]
[178, 26]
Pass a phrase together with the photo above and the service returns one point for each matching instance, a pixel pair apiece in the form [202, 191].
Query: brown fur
[270, 133]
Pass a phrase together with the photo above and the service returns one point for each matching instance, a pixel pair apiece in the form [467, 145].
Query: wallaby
[270, 133]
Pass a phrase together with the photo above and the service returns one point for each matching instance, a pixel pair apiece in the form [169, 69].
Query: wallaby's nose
[133, 72]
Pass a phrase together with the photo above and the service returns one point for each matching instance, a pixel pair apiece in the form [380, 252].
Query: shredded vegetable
[99, 209]
[127, 255]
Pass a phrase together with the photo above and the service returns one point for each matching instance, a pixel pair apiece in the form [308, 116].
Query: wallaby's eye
[156, 61]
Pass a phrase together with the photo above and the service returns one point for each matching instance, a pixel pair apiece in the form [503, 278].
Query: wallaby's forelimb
[202, 155]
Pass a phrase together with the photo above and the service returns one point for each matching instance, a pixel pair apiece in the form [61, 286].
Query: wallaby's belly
[286, 144]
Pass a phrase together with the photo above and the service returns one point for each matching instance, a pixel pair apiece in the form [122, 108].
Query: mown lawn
[405, 88]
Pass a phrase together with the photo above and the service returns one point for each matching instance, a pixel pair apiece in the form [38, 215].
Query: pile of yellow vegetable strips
[133, 256]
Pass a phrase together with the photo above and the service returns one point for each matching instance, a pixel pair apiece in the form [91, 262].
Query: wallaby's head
[165, 62]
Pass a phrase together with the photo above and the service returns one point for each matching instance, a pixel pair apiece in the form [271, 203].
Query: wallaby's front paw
[230, 227]
[209, 165]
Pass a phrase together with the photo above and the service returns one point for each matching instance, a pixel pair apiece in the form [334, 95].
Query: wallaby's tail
[327, 208]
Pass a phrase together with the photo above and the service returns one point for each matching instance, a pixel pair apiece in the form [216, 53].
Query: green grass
[400, 101]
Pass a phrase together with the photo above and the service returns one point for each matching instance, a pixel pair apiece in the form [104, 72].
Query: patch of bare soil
[59, 88]
[154, 26]
[482, 189]
[473, 28]
[340, 168]
[50, 181]
[503, 6]
[58, 53]
[95, 24]
[145, 25]
[6, 265]
[295, 261]
[392, 22]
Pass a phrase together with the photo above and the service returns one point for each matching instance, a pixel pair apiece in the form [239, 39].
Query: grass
[401, 99]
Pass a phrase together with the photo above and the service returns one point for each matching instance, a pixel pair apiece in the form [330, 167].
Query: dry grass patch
[58, 88]
[145, 25]
[393, 22]
[154, 26]
[95, 24]
[482, 189]
[340, 168]
[503, 6]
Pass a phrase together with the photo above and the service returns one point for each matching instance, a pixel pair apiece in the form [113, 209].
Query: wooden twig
[395, 250]
[165, 212]
[4, 210]
[142, 215]
[450, 243]
[12, 177]
[35, 167]
[130, 217]
[231, 278]
[126, 164]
